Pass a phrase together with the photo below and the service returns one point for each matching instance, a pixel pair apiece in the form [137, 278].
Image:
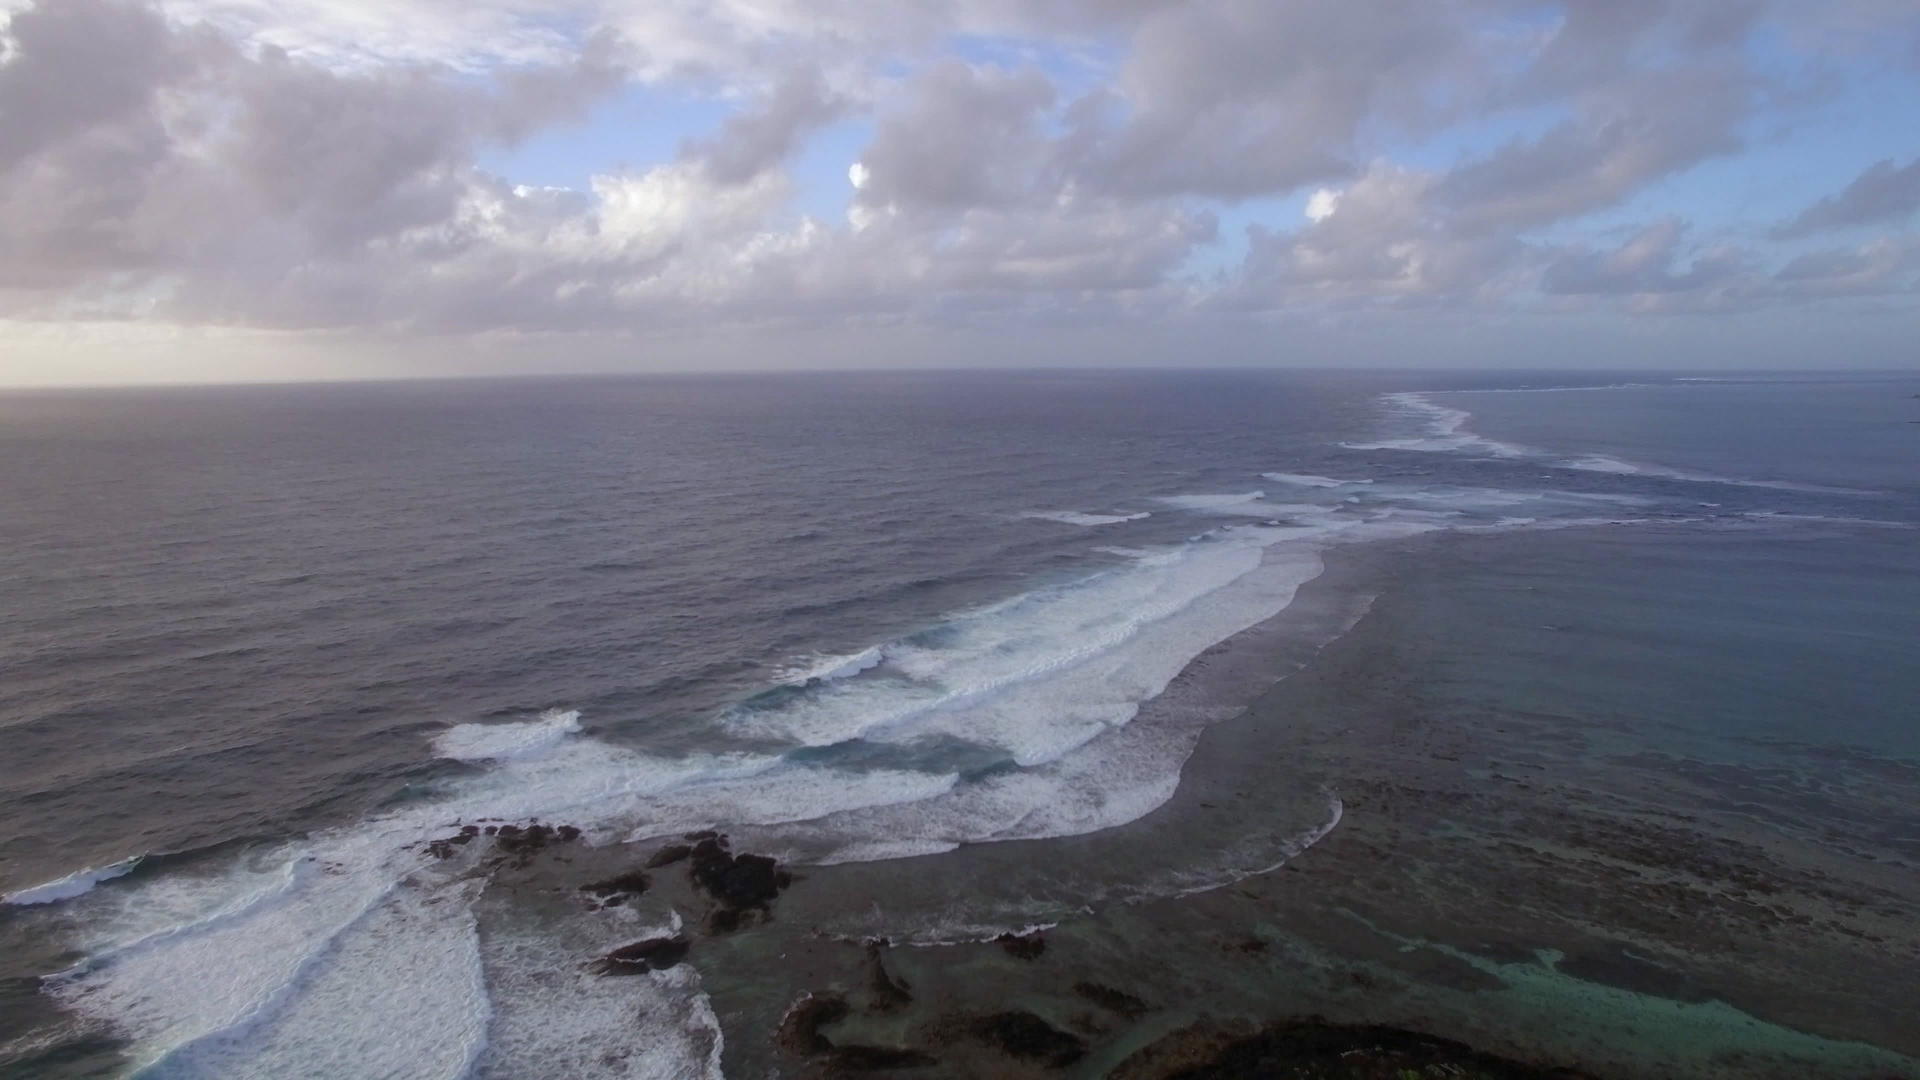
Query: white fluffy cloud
[315, 165]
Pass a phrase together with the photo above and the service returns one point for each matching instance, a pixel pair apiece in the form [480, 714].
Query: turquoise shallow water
[1657, 783]
[1804, 634]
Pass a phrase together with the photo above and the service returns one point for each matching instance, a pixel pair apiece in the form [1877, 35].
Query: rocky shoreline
[822, 1030]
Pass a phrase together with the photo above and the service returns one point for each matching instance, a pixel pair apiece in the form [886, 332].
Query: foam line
[78, 883]
[1075, 517]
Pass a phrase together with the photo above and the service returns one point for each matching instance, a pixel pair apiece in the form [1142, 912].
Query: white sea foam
[498, 742]
[1309, 480]
[251, 971]
[1228, 503]
[1558, 389]
[1265, 861]
[1037, 675]
[1444, 431]
[1075, 517]
[554, 1022]
[1085, 767]
[827, 667]
[401, 993]
[78, 883]
[1604, 464]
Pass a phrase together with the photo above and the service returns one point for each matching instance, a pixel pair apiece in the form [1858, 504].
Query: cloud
[962, 136]
[1382, 238]
[1647, 263]
[760, 137]
[1883, 193]
[1236, 98]
[1619, 140]
[318, 165]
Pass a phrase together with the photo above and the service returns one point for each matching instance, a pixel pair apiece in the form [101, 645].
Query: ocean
[969, 654]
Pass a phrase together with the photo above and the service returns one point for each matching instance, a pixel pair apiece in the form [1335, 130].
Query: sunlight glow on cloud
[1321, 204]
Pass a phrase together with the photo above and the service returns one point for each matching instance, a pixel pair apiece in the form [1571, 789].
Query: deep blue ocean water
[264, 641]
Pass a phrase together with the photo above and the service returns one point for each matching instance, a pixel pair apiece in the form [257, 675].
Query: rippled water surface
[263, 643]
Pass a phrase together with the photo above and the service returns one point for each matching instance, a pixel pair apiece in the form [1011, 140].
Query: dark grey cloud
[1885, 192]
[958, 137]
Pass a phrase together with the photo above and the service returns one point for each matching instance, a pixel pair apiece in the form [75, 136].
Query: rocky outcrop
[519, 843]
[1114, 1001]
[1028, 946]
[653, 954]
[800, 1034]
[1313, 1049]
[669, 855]
[889, 994]
[616, 890]
[1026, 1037]
[744, 886]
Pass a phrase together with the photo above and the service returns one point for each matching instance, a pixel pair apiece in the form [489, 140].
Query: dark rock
[875, 1058]
[669, 855]
[743, 881]
[1112, 1000]
[1024, 946]
[799, 1031]
[653, 954]
[1027, 1037]
[631, 883]
[523, 843]
[889, 994]
[800, 1034]
[518, 842]
[1313, 1049]
[743, 885]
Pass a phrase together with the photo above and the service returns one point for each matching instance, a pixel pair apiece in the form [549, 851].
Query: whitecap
[826, 667]
[1230, 503]
[1445, 431]
[1310, 480]
[1075, 517]
[78, 883]
[498, 742]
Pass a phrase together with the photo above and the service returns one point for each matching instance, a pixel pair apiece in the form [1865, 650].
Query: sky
[262, 190]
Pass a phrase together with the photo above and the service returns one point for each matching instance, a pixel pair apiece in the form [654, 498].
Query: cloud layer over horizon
[676, 183]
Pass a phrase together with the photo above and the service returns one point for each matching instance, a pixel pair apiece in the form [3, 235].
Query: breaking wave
[78, 883]
[1074, 517]
[1309, 480]
[1446, 431]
